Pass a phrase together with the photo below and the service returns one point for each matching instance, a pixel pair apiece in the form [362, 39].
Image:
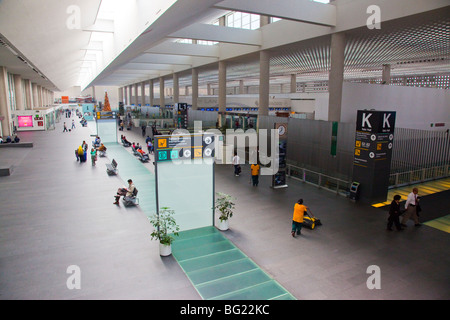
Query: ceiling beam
[185, 49]
[298, 10]
[101, 26]
[163, 59]
[209, 32]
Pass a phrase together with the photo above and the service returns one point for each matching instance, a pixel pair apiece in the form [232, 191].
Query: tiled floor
[56, 212]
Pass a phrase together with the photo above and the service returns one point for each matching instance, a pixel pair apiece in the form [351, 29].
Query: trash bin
[354, 191]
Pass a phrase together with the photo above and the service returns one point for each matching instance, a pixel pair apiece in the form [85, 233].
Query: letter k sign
[365, 119]
[386, 117]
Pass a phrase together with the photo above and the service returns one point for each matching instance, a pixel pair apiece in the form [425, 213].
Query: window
[242, 20]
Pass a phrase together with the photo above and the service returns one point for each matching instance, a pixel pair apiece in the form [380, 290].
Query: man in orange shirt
[255, 174]
[297, 219]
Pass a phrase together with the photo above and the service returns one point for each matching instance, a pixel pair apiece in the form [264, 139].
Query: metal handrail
[342, 186]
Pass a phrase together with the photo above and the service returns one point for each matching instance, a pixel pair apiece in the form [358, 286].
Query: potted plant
[165, 230]
[225, 206]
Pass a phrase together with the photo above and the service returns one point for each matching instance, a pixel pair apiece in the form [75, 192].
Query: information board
[374, 138]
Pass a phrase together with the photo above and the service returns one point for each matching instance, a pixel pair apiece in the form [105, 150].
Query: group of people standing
[81, 151]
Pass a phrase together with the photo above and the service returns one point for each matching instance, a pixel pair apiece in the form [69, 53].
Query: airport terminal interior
[344, 104]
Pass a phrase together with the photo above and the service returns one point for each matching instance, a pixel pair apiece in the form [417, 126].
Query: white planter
[165, 250]
[223, 225]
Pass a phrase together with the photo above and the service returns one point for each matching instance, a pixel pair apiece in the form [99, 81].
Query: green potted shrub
[166, 229]
[225, 205]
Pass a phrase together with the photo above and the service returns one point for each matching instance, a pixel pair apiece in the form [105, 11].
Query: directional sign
[183, 147]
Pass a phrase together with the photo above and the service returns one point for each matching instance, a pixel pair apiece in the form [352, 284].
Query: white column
[5, 107]
[194, 88]
[29, 94]
[386, 77]
[176, 88]
[143, 93]
[162, 101]
[151, 94]
[336, 77]
[264, 83]
[20, 105]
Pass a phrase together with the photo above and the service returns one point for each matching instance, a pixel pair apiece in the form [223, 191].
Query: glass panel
[188, 189]
[107, 130]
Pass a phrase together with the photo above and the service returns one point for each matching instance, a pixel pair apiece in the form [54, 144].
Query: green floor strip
[213, 264]
[131, 168]
[219, 270]
[442, 223]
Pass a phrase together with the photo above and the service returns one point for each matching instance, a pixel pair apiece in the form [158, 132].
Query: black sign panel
[375, 121]
[374, 138]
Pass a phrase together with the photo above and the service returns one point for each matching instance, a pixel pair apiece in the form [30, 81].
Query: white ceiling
[135, 40]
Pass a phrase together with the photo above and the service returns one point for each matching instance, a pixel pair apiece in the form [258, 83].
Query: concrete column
[136, 95]
[121, 94]
[125, 96]
[194, 88]
[29, 95]
[293, 83]
[35, 96]
[186, 90]
[336, 77]
[130, 94]
[162, 101]
[39, 96]
[263, 20]
[143, 93]
[208, 89]
[222, 99]
[20, 103]
[5, 107]
[386, 77]
[264, 83]
[176, 88]
[241, 87]
[152, 95]
[222, 86]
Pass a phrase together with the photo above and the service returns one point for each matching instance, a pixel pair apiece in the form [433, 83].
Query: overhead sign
[184, 147]
[102, 115]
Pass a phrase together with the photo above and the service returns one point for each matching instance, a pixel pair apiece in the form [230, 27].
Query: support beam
[209, 32]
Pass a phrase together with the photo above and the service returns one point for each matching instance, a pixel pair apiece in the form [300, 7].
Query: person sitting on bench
[101, 150]
[128, 192]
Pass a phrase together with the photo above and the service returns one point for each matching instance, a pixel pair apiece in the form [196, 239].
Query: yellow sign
[379, 145]
[357, 152]
[358, 144]
[162, 143]
[197, 153]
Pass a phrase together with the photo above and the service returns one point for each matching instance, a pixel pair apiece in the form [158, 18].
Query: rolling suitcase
[310, 221]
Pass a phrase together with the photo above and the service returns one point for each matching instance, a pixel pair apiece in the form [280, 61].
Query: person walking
[65, 128]
[93, 156]
[73, 124]
[411, 208]
[255, 174]
[297, 219]
[237, 168]
[394, 214]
